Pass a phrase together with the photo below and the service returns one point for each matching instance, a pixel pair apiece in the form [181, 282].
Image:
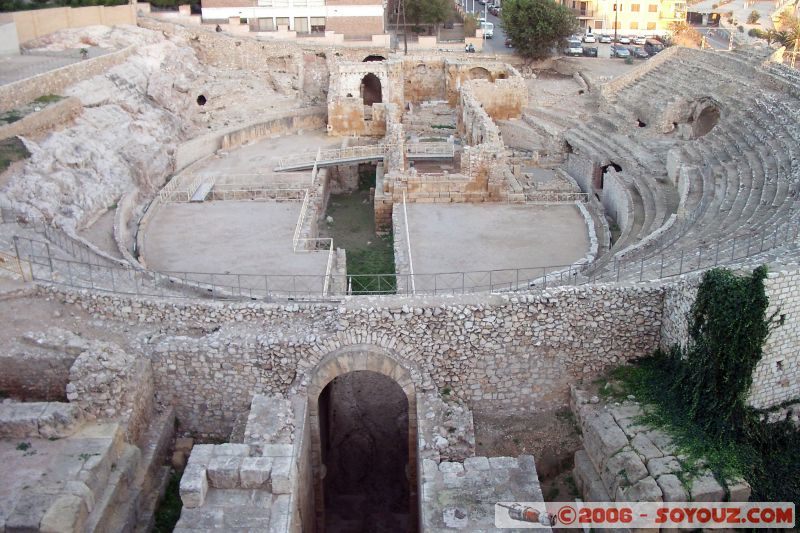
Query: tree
[428, 11]
[789, 26]
[536, 27]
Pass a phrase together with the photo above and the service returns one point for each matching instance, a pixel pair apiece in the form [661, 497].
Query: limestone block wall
[39, 22]
[21, 92]
[776, 379]
[581, 169]
[458, 72]
[48, 118]
[777, 376]
[509, 351]
[617, 200]
[424, 79]
[503, 98]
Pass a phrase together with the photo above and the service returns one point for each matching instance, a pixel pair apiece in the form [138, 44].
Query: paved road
[495, 45]
[716, 38]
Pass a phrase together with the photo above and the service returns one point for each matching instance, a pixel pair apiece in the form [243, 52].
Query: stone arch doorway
[361, 402]
[479, 73]
[371, 90]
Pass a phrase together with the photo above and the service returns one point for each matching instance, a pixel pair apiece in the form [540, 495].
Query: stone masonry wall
[510, 351]
[46, 119]
[21, 92]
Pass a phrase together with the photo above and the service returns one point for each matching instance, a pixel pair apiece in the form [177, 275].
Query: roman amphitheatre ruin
[178, 287]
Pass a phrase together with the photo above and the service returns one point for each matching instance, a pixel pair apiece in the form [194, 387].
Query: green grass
[10, 117]
[767, 459]
[169, 510]
[48, 99]
[370, 258]
[11, 150]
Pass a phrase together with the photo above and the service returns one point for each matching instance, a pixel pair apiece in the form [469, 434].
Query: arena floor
[262, 157]
[240, 237]
[483, 237]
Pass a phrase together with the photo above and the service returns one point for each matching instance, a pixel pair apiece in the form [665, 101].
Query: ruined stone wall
[48, 118]
[458, 72]
[617, 200]
[424, 79]
[776, 379]
[581, 169]
[502, 99]
[512, 352]
[13, 95]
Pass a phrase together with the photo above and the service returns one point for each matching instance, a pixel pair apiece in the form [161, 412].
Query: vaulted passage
[363, 418]
[371, 89]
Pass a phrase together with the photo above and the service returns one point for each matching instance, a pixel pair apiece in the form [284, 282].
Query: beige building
[353, 18]
[634, 17]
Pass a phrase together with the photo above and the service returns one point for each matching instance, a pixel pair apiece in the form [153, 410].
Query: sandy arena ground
[262, 157]
[239, 237]
[482, 237]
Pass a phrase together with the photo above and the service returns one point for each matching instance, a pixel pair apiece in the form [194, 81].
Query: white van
[488, 29]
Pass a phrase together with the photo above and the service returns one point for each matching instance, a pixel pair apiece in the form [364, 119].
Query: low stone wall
[511, 351]
[21, 92]
[48, 118]
[39, 22]
[625, 460]
[279, 124]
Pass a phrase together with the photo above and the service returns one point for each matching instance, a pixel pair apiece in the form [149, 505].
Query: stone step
[115, 509]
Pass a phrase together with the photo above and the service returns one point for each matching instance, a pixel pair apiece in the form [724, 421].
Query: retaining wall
[48, 118]
[21, 92]
[39, 22]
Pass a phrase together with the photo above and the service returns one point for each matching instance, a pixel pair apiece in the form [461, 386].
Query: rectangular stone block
[231, 449]
[672, 489]
[739, 490]
[20, 420]
[588, 480]
[278, 450]
[645, 448]
[281, 475]
[223, 471]
[59, 420]
[602, 438]
[280, 513]
[194, 486]
[705, 488]
[644, 490]
[255, 472]
[621, 470]
[201, 455]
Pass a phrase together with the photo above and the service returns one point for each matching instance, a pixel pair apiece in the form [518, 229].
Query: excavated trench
[364, 438]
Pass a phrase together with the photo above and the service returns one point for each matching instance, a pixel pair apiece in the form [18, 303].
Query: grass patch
[12, 150]
[48, 99]
[9, 117]
[371, 269]
[169, 510]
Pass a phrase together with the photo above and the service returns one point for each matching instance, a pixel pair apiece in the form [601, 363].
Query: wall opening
[371, 90]
[364, 447]
[600, 177]
[705, 121]
[640, 123]
[373, 57]
[479, 73]
[201, 100]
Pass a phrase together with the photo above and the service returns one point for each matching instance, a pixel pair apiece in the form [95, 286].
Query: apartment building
[634, 17]
[353, 18]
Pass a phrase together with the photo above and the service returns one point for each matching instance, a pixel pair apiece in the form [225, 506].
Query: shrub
[753, 17]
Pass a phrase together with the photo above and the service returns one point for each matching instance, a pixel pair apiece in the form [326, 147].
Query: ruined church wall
[504, 352]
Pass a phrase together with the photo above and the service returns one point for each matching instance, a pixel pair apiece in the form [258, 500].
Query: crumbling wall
[502, 99]
[424, 79]
[111, 384]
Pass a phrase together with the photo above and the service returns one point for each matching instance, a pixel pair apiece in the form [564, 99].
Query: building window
[634, 25]
[635, 8]
[282, 21]
[266, 24]
[317, 24]
[598, 24]
[653, 8]
[301, 24]
[651, 25]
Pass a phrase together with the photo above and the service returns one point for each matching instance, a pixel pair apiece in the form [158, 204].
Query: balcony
[583, 13]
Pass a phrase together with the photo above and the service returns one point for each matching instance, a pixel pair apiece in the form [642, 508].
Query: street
[495, 45]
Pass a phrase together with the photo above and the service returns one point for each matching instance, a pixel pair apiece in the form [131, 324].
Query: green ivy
[728, 327]
[699, 394]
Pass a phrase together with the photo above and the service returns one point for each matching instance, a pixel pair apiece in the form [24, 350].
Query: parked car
[620, 51]
[494, 11]
[573, 48]
[488, 29]
[653, 46]
[589, 38]
[638, 53]
[605, 39]
[590, 51]
[622, 39]
[639, 40]
[470, 49]
[509, 44]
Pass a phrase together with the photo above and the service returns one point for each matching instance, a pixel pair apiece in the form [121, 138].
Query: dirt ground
[550, 436]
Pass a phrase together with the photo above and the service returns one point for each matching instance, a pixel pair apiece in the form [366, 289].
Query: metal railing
[46, 266]
[357, 153]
